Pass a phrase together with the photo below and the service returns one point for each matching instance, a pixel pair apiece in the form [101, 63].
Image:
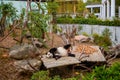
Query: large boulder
[82, 38]
[27, 65]
[23, 51]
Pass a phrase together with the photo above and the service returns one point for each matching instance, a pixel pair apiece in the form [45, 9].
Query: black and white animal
[59, 52]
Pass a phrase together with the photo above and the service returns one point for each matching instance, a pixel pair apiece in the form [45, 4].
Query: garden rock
[82, 38]
[38, 44]
[23, 51]
[27, 65]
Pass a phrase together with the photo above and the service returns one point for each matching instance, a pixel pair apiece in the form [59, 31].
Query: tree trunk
[2, 25]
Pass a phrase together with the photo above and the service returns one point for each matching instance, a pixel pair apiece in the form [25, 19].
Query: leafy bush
[73, 78]
[44, 75]
[91, 20]
[99, 73]
[104, 39]
[85, 34]
[37, 24]
[56, 78]
[103, 73]
[41, 75]
[65, 20]
[56, 28]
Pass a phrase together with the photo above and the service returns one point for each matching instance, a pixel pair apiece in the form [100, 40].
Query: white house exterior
[91, 7]
[107, 9]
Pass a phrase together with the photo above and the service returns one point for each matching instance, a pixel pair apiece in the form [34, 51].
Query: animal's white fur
[49, 55]
[62, 51]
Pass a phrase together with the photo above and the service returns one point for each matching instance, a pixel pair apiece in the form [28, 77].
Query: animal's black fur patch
[67, 46]
[56, 55]
[71, 55]
[53, 51]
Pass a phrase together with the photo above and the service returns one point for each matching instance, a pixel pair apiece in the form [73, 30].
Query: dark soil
[7, 70]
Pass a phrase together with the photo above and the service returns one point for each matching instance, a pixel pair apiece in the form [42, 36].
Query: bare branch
[31, 66]
[4, 47]
[9, 33]
[112, 58]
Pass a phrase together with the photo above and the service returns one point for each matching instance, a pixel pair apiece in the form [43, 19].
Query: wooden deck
[93, 57]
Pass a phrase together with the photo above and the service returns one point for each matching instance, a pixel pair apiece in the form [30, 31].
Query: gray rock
[38, 44]
[23, 51]
[23, 65]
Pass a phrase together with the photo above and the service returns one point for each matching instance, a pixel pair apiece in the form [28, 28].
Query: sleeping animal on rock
[59, 52]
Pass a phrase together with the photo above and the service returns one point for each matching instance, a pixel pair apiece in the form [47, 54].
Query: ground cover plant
[98, 73]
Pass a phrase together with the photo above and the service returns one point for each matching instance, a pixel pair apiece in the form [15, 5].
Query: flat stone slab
[63, 61]
[93, 57]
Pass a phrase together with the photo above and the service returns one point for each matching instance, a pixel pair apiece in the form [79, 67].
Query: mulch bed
[7, 70]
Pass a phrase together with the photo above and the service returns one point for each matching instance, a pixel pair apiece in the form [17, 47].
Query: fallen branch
[16, 40]
[89, 69]
[112, 58]
[109, 56]
[83, 57]
[31, 66]
[82, 52]
[4, 47]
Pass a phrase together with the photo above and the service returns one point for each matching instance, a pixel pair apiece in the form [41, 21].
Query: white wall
[90, 29]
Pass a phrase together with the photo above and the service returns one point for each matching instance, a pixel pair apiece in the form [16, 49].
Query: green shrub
[37, 25]
[85, 34]
[98, 73]
[104, 39]
[96, 38]
[73, 78]
[91, 20]
[44, 75]
[41, 75]
[56, 78]
[65, 20]
[103, 73]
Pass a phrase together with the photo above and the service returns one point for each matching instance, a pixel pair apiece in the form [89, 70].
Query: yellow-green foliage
[56, 28]
[85, 34]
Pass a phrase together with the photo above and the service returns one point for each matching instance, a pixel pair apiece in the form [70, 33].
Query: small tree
[37, 25]
[52, 8]
[7, 11]
[38, 22]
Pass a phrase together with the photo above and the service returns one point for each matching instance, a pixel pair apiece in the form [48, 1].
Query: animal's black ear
[52, 50]
[67, 46]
